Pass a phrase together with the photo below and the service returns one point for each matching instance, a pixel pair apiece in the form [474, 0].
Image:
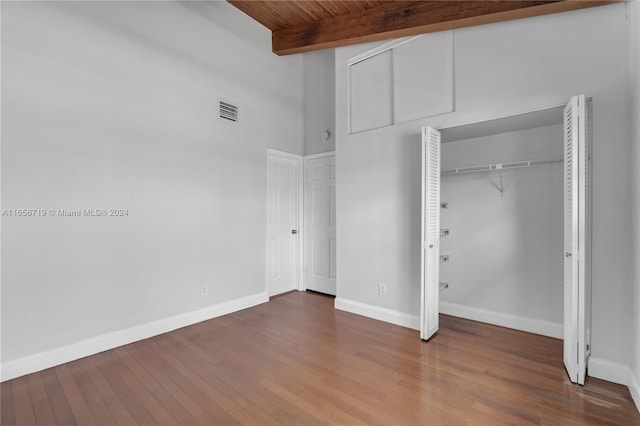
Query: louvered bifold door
[575, 239]
[429, 322]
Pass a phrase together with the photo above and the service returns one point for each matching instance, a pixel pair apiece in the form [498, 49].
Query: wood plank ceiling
[302, 26]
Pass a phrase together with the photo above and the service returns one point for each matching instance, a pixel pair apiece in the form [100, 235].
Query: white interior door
[429, 320]
[282, 222]
[320, 224]
[576, 240]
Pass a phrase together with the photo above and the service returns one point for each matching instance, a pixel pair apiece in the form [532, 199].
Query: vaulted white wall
[500, 69]
[114, 105]
[319, 101]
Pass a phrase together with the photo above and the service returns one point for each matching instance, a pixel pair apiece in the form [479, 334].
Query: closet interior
[501, 220]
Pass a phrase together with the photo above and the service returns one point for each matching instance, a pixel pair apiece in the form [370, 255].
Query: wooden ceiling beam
[395, 19]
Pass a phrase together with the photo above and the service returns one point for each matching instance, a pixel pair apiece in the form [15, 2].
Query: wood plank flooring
[296, 360]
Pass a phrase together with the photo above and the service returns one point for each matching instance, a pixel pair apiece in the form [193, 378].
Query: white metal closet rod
[500, 166]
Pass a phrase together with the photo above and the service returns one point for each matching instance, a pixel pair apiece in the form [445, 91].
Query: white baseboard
[616, 373]
[531, 325]
[608, 370]
[43, 360]
[545, 328]
[383, 314]
[634, 388]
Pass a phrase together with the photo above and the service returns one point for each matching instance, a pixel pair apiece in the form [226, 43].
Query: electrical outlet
[382, 289]
[204, 289]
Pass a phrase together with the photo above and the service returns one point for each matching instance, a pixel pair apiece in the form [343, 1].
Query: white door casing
[577, 283]
[430, 242]
[320, 224]
[283, 186]
[577, 236]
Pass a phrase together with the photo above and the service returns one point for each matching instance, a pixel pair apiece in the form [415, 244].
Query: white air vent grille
[228, 111]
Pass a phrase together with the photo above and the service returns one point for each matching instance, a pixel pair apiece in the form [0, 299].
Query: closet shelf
[500, 166]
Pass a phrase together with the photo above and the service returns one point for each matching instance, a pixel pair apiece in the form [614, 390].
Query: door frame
[587, 300]
[303, 257]
[300, 222]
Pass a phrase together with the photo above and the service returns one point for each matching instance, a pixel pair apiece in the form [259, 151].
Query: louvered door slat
[576, 242]
[430, 232]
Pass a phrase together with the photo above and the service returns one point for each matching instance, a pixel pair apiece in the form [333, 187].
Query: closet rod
[500, 166]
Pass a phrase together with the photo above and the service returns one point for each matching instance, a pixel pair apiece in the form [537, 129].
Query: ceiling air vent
[228, 111]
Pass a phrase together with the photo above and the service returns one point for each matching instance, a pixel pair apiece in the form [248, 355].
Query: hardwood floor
[295, 360]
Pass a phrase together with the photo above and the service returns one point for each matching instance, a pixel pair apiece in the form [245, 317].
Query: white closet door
[429, 321]
[576, 265]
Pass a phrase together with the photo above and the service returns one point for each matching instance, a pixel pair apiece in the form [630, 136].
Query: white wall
[319, 101]
[114, 105]
[634, 79]
[506, 248]
[500, 69]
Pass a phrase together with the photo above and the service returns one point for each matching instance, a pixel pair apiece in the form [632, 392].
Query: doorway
[576, 253]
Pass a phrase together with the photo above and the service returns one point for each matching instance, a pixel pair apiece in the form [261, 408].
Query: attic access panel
[401, 81]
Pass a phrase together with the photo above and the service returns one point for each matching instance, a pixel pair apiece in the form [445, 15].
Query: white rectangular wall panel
[371, 93]
[423, 77]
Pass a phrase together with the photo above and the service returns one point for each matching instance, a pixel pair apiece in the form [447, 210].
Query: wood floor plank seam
[7, 411]
[59, 403]
[111, 400]
[214, 395]
[175, 401]
[97, 407]
[22, 402]
[77, 402]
